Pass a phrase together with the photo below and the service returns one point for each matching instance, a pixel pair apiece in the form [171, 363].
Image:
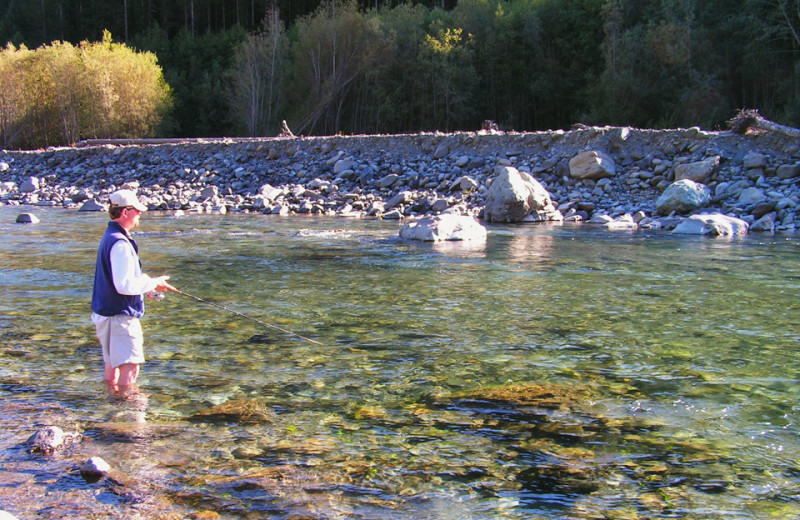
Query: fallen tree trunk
[750, 118]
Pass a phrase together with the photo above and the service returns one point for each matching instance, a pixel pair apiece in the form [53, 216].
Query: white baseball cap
[126, 198]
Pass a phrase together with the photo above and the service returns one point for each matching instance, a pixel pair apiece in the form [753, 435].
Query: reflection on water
[554, 371]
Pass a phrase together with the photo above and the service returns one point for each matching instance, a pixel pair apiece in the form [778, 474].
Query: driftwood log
[285, 131]
[750, 118]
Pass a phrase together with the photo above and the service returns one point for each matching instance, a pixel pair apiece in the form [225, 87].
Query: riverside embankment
[751, 177]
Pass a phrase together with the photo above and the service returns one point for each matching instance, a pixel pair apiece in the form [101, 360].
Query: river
[558, 371]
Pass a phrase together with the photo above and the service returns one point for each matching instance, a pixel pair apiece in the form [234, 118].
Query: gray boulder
[515, 195]
[344, 165]
[388, 180]
[683, 197]
[439, 205]
[442, 150]
[754, 160]
[751, 196]
[92, 205]
[443, 227]
[80, 196]
[592, 165]
[464, 183]
[7, 516]
[699, 171]
[271, 194]
[209, 192]
[29, 185]
[393, 215]
[765, 224]
[788, 171]
[404, 197]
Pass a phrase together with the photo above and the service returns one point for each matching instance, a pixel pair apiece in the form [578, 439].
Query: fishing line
[247, 317]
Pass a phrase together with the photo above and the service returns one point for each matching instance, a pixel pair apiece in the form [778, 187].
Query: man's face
[130, 218]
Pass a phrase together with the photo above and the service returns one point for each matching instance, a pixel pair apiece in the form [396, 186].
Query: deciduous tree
[258, 74]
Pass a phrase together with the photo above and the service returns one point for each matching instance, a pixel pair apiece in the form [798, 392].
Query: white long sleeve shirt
[127, 274]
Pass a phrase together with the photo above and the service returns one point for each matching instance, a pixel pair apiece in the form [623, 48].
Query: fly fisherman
[119, 285]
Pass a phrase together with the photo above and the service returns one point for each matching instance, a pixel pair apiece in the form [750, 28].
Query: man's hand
[163, 286]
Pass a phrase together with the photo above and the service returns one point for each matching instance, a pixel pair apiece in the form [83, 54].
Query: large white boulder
[515, 195]
[712, 224]
[443, 227]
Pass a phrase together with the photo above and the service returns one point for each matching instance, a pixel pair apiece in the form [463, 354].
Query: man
[119, 284]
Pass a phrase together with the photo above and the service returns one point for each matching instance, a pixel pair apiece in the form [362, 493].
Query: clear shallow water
[558, 372]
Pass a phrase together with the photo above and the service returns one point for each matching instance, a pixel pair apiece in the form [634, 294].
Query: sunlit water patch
[553, 372]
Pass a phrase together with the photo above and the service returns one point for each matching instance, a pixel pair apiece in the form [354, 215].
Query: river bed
[558, 371]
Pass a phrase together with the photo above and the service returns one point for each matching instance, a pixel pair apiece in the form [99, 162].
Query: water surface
[556, 372]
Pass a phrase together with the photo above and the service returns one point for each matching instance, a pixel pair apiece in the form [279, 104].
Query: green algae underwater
[557, 371]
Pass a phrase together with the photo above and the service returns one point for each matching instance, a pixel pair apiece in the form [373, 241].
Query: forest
[240, 67]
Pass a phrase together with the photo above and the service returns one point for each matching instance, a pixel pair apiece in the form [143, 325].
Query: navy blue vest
[106, 301]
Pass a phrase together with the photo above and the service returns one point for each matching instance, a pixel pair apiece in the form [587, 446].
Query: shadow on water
[553, 372]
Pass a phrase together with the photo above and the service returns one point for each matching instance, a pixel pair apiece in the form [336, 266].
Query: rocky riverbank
[619, 177]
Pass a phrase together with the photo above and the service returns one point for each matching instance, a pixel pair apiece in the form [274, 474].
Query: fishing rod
[245, 316]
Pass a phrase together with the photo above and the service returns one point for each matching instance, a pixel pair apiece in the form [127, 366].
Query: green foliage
[59, 93]
[393, 95]
[387, 66]
[686, 62]
[446, 59]
[197, 69]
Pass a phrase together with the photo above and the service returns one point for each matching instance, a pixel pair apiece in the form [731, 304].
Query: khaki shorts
[122, 340]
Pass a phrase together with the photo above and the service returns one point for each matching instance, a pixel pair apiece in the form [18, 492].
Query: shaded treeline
[36, 22]
[239, 67]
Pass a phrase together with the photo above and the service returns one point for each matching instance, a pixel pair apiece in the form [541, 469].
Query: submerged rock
[51, 439]
[94, 467]
[27, 218]
[237, 410]
[544, 395]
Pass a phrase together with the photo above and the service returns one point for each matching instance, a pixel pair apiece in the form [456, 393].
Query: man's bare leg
[111, 376]
[128, 373]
